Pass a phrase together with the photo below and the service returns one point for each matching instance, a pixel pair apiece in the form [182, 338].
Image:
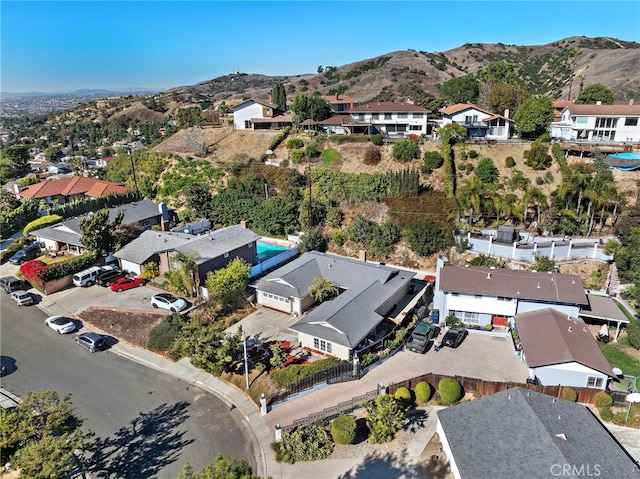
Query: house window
[415, 127]
[322, 345]
[502, 298]
[468, 317]
[631, 121]
[247, 124]
[146, 222]
[375, 116]
[250, 245]
[605, 122]
[403, 115]
[358, 116]
[226, 255]
[581, 119]
[594, 382]
[469, 119]
[387, 116]
[174, 264]
[418, 115]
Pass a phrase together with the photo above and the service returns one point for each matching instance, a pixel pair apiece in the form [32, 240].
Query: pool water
[626, 156]
[267, 250]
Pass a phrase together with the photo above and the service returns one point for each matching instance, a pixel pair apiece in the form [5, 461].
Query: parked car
[11, 284]
[168, 301]
[22, 297]
[420, 337]
[91, 341]
[454, 337]
[87, 277]
[25, 254]
[122, 284]
[105, 278]
[61, 324]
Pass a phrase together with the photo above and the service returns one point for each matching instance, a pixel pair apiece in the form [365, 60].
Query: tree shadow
[143, 448]
[383, 466]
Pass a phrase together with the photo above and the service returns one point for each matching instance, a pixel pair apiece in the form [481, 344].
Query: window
[631, 121]
[226, 255]
[581, 119]
[247, 124]
[375, 116]
[322, 345]
[387, 116]
[502, 298]
[415, 127]
[471, 119]
[403, 115]
[467, 317]
[418, 115]
[594, 382]
[606, 122]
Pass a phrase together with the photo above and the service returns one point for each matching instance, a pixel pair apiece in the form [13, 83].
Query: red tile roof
[458, 107]
[75, 185]
[389, 107]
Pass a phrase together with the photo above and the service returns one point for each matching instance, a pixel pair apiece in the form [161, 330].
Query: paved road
[147, 423]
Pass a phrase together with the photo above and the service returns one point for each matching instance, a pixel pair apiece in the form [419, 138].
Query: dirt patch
[125, 325]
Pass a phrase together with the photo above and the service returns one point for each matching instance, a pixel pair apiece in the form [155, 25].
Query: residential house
[334, 125]
[560, 349]
[65, 236]
[340, 104]
[389, 118]
[211, 251]
[481, 296]
[67, 190]
[479, 122]
[368, 293]
[603, 309]
[521, 434]
[250, 112]
[602, 123]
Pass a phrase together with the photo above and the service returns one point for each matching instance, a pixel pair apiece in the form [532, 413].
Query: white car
[169, 301]
[22, 298]
[62, 324]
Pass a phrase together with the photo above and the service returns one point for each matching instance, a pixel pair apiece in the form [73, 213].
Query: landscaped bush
[633, 333]
[60, 270]
[602, 399]
[606, 414]
[295, 372]
[372, 155]
[569, 394]
[432, 161]
[330, 156]
[296, 156]
[473, 154]
[306, 443]
[449, 391]
[510, 162]
[349, 138]
[279, 139]
[386, 417]
[423, 392]
[404, 150]
[403, 396]
[162, 335]
[343, 429]
[311, 151]
[41, 223]
[294, 143]
[377, 139]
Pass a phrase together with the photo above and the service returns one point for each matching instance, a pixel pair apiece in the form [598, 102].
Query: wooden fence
[486, 388]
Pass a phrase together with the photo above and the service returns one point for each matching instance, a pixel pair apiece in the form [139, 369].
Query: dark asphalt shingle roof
[347, 319]
[603, 307]
[518, 284]
[521, 434]
[549, 337]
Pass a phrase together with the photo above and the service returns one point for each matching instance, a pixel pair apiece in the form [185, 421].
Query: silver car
[169, 302]
[22, 297]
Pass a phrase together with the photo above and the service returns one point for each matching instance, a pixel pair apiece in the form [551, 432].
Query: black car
[91, 341]
[454, 337]
[109, 276]
[25, 254]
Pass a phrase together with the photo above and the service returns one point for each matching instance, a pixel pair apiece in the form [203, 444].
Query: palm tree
[470, 196]
[187, 271]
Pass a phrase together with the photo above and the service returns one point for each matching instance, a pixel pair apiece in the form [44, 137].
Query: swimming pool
[624, 161]
[267, 250]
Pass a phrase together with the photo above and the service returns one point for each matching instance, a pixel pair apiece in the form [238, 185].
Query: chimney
[16, 188]
[362, 256]
[506, 113]
[337, 97]
[164, 211]
[631, 101]
[243, 223]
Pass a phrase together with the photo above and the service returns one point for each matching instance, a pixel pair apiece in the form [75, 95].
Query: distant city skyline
[56, 47]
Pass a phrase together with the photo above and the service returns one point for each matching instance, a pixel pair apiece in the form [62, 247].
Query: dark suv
[91, 341]
[109, 276]
[25, 254]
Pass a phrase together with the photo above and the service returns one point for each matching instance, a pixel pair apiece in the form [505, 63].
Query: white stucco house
[245, 114]
[389, 118]
[560, 349]
[610, 123]
[480, 296]
[479, 122]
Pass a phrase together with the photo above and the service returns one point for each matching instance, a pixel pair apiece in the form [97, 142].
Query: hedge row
[41, 223]
[60, 270]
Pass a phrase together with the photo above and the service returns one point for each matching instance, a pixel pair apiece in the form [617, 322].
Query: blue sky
[63, 46]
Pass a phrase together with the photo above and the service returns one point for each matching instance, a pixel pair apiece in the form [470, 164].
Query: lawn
[618, 358]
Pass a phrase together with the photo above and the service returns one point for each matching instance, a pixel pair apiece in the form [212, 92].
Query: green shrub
[510, 162]
[41, 223]
[606, 414]
[464, 155]
[344, 429]
[404, 150]
[473, 154]
[305, 443]
[569, 394]
[423, 392]
[60, 270]
[539, 180]
[633, 333]
[403, 396]
[338, 237]
[602, 399]
[295, 372]
[449, 391]
[296, 156]
[280, 138]
[377, 139]
[330, 156]
[372, 155]
[311, 151]
[163, 334]
[386, 417]
[432, 161]
[349, 139]
[294, 143]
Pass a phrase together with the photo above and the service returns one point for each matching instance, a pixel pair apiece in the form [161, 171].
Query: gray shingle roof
[509, 283]
[549, 337]
[603, 307]
[524, 434]
[347, 319]
[208, 246]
